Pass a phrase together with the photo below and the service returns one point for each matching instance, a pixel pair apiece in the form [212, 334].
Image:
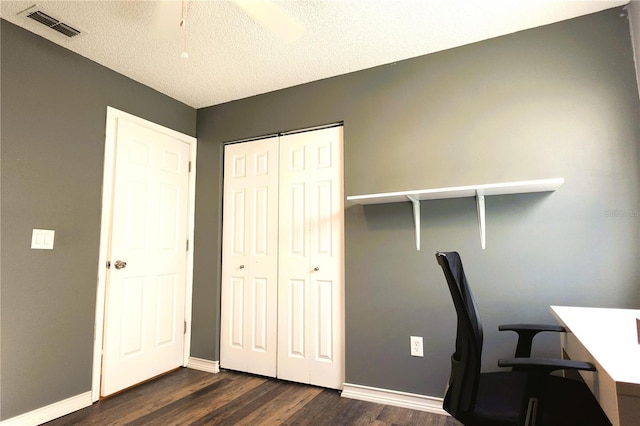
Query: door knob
[317, 268]
[241, 266]
[119, 264]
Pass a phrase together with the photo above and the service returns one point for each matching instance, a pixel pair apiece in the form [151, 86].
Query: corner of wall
[634, 27]
[204, 365]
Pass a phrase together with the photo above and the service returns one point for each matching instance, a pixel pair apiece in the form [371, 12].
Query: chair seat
[567, 402]
[499, 399]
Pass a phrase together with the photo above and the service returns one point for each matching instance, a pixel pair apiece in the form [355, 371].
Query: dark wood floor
[191, 397]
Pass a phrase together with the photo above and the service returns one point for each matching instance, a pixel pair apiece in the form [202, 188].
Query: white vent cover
[49, 21]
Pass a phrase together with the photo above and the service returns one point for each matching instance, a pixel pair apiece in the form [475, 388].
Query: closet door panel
[259, 315]
[293, 270]
[311, 204]
[236, 312]
[326, 244]
[248, 340]
[296, 327]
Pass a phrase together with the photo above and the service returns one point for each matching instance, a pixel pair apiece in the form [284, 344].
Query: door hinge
[108, 264]
[187, 245]
[185, 327]
[189, 166]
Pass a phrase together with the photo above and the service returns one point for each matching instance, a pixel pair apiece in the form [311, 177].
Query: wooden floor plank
[282, 405]
[356, 412]
[183, 408]
[318, 411]
[191, 397]
[237, 409]
[166, 396]
[402, 417]
[131, 404]
[191, 410]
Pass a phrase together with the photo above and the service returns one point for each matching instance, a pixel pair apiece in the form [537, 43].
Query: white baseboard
[50, 412]
[204, 365]
[390, 397]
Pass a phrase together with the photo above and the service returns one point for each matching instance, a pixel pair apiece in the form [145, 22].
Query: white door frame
[105, 233]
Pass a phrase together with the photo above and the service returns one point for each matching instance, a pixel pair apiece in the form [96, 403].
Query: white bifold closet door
[248, 332]
[310, 281]
[284, 320]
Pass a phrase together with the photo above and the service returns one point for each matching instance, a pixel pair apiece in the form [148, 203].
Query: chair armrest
[545, 365]
[532, 327]
[526, 333]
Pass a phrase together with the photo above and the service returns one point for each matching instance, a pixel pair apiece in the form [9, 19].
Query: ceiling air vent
[53, 23]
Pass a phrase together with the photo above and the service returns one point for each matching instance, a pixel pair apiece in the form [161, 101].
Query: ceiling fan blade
[274, 18]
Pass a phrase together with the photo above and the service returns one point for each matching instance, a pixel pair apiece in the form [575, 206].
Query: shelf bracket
[416, 218]
[481, 217]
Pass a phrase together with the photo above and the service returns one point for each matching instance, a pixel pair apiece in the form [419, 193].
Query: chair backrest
[466, 360]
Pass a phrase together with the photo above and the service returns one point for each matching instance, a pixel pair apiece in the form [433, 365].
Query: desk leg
[601, 384]
[628, 405]
[570, 374]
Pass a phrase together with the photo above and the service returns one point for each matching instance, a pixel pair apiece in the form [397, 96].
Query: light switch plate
[42, 239]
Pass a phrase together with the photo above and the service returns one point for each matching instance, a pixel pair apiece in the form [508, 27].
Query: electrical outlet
[416, 346]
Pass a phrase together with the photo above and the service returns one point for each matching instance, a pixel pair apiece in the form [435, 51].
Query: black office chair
[526, 395]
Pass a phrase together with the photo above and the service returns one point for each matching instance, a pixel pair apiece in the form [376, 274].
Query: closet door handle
[241, 266]
[317, 268]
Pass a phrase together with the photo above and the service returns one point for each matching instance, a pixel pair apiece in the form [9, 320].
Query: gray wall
[53, 112]
[557, 101]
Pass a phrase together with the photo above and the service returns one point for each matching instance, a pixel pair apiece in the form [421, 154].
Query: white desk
[608, 338]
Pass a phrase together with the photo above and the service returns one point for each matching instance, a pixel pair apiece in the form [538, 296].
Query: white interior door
[249, 328]
[311, 253]
[145, 300]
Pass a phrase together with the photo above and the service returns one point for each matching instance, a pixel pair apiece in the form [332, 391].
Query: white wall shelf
[478, 191]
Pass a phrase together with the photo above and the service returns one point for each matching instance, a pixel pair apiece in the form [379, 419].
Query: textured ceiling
[233, 56]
